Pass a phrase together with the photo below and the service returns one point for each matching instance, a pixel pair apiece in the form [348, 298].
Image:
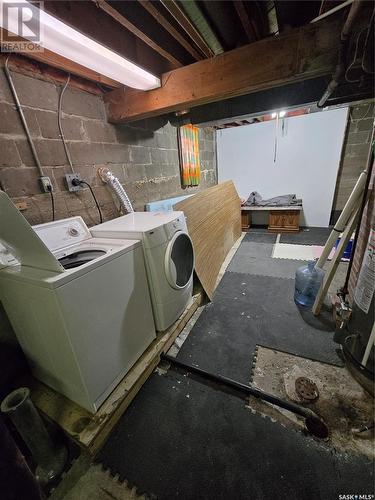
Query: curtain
[189, 155]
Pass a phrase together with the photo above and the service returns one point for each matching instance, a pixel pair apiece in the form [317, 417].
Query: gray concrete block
[5, 93]
[48, 124]
[362, 110]
[83, 153]
[9, 156]
[100, 131]
[116, 153]
[163, 141]
[159, 156]
[140, 155]
[51, 152]
[153, 171]
[358, 137]
[365, 124]
[24, 150]
[173, 158]
[357, 150]
[22, 181]
[135, 173]
[83, 104]
[73, 128]
[35, 93]
[126, 135]
[10, 122]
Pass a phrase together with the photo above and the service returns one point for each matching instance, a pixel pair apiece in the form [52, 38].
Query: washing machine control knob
[73, 231]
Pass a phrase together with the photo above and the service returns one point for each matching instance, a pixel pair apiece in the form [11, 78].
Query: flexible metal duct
[107, 176]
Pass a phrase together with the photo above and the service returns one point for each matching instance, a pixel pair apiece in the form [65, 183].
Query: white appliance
[80, 306]
[169, 258]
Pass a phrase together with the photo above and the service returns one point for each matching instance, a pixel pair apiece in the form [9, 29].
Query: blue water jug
[308, 281]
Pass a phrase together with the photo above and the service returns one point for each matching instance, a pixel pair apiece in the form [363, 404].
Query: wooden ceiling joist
[102, 4]
[250, 31]
[185, 23]
[171, 30]
[301, 54]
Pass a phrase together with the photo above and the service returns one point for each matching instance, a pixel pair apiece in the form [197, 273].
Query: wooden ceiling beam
[158, 16]
[185, 23]
[301, 54]
[115, 14]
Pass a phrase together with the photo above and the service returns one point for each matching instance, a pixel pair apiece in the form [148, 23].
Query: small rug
[298, 252]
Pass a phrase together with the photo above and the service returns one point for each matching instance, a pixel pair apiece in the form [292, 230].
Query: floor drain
[306, 389]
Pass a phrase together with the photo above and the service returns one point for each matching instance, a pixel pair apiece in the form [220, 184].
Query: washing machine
[169, 257]
[80, 306]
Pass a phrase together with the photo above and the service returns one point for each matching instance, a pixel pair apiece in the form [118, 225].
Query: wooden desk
[280, 219]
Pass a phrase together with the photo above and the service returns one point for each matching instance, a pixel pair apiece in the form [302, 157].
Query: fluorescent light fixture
[273, 115]
[27, 21]
[282, 114]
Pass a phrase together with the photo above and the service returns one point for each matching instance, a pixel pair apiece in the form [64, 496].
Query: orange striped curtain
[189, 155]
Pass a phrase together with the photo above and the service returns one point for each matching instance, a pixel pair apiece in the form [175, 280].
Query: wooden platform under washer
[88, 430]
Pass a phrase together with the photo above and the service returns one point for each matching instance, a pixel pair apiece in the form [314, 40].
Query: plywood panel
[213, 219]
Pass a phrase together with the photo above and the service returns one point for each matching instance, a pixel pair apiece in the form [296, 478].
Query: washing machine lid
[137, 222]
[63, 233]
[19, 239]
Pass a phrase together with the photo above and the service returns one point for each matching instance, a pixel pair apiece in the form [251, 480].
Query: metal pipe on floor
[50, 457]
[314, 423]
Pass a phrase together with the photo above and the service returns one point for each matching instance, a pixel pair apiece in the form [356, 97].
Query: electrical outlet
[45, 184]
[69, 178]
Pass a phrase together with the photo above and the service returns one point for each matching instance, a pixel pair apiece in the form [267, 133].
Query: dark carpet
[180, 439]
[252, 310]
[308, 236]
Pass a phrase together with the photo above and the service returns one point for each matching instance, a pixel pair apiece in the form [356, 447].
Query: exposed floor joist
[187, 26]
[301, 54]
[102, 4]
[250, 31]
[171, 30]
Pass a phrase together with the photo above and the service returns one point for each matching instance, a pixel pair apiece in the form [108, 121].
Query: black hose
[313, 422]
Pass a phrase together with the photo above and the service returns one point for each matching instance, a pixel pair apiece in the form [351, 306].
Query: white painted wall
[307, 160]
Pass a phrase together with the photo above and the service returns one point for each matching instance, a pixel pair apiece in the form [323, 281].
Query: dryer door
[179, 260]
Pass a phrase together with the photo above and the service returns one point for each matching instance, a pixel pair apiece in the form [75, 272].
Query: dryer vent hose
[107, 176]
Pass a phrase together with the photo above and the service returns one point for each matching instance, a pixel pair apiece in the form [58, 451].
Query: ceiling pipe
[332, 11]
[343, 52]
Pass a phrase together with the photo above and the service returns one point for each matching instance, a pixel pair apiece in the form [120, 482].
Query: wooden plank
[88, 430]
[174, 9]
[307, 52]
[115, 14]
[213, 218]
[67, 65]
[171, 29]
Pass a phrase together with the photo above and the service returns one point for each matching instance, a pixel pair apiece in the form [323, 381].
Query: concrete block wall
[143, 155]
[354, 153]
